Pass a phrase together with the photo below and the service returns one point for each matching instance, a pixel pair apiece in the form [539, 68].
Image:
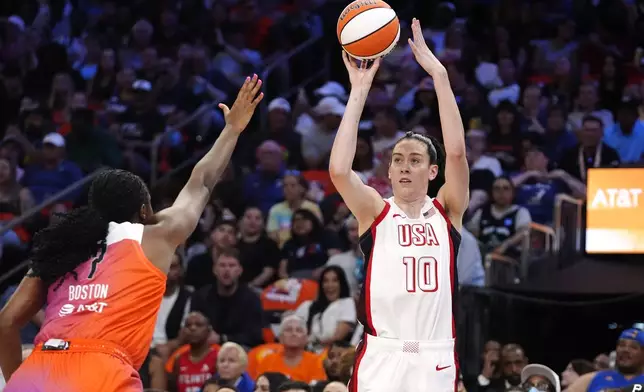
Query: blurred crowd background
[264, 290]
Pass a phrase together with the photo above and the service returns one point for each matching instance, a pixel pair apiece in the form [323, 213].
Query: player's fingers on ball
[376, 64]
[348, 61]
[354, 62]
[345, 58]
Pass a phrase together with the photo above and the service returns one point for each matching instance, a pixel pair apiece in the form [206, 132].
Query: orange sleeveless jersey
[116, 297]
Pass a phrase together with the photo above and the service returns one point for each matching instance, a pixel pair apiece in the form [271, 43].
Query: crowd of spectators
[263, 293]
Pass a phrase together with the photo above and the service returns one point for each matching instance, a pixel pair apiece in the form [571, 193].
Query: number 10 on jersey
[421, 274]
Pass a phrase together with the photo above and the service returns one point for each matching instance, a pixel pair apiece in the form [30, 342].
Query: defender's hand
[238, 117]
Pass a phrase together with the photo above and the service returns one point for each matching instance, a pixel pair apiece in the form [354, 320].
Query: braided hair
[75, 237]
[436, 153]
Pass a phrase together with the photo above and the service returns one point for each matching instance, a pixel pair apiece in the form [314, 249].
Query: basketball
[368, 29]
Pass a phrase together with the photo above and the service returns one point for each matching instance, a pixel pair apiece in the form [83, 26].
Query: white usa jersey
[410, 274]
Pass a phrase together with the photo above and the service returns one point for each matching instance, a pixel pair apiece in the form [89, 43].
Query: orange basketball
[368, 29]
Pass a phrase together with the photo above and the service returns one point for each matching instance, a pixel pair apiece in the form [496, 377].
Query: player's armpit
[454, 195]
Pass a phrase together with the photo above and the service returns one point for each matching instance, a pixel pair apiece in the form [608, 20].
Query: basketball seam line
[373, 32]
[356, 14]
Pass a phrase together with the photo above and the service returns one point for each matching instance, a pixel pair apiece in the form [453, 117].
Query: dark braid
[75, 237]
[436, 153]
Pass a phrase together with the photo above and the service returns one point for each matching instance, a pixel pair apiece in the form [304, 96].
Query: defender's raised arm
[180, 220]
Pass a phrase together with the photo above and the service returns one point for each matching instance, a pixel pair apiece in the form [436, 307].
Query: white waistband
[390, 344]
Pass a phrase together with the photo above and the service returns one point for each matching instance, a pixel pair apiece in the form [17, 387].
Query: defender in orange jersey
[101, 270]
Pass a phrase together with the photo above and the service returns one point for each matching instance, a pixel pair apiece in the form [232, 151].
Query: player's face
[629, 355]
[331, 285]
[293, 334]
[410, 170]
[229, 365]
[196, 328]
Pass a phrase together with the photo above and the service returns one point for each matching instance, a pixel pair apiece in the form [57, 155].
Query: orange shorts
[86, 365]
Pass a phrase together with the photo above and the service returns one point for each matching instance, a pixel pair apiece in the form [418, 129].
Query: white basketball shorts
[393, 365]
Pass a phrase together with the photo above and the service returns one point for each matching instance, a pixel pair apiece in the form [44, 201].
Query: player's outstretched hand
[360, 76]
[421, 51]
[238, 117]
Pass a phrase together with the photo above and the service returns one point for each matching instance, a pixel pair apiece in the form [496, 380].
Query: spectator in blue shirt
[469, 262]
[627, 135]
[263, 187]
[53, 173]
[536, 187]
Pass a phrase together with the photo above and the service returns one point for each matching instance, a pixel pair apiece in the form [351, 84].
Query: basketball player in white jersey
[409, 241]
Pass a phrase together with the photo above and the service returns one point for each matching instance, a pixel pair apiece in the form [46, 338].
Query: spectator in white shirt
[173, 311]
[507, 87]
[332, 316]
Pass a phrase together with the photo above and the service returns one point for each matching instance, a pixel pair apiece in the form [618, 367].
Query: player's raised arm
[180, 220]
[454, 195]
[363, 201]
